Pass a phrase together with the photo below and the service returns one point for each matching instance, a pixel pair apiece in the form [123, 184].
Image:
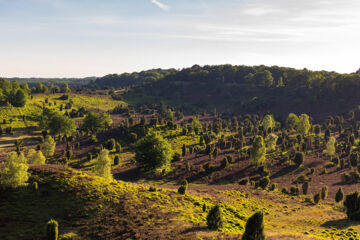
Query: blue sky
[78, 38]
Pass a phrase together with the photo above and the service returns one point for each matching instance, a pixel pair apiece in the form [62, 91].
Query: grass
[32, 109]
[79, 201]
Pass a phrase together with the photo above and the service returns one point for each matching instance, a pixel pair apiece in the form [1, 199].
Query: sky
[79, 38]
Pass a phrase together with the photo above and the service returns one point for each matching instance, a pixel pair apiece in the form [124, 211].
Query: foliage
[299, 158]
[339, 195]
[292, 120]
[268, 122]
[102, 165]
[330, 146]
[153, 152]
[14, 172]
[214, 218]
[271, 141]
[48, 146]
[35, 157]
[258, 151]
[303, 126]
[254, 229]
[352, 205]
[94, 122]
[52, 231]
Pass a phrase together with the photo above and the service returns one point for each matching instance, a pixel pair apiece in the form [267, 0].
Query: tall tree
[96, 122]
[102, 165]
[258, 151]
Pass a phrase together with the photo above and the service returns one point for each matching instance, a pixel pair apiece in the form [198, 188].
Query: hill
[89, 207]
[258, 89]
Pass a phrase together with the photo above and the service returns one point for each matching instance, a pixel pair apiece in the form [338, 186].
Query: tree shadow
[195, 229]
[284, 171]
[340, 223]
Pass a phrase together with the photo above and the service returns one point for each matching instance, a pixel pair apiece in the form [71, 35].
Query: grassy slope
[94, 208]
[33, 107]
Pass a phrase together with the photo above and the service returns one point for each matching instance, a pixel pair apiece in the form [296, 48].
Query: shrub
[35, 157]
[273, 187]
[352, 205]
[116, 160]
[285, 190]
[254, 228]
[214, 218]
[244, 181]
[176, 157]
[14, 171]
[118, 147]
[48, 146]
[152, 189]
[204, 207]
[89, 156]
[34, 187]
[305, 188]
[299, 158]
[339, 195]
[264, 182]
[294, 191]
[324, 192]
[354, 158]
[52, 230]
[102, 165]
[225, 163]
[110, 144]
[182, 189]
[317, 198]
[93, 139]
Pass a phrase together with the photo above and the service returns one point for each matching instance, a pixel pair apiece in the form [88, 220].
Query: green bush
[264, 182]
[254, 229]
[352, 205]
[324, 192]
[52, 230]
[214, 218]
[317, 198]
[339, 195]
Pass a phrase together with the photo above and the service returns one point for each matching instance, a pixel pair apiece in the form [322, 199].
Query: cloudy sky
[78, 38]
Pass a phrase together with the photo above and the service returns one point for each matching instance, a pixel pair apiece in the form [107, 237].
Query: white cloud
[160, 5]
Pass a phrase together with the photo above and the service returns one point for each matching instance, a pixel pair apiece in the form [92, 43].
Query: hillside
[258, 89]
[90, 207]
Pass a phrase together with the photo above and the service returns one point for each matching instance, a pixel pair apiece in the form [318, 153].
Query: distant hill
[71, 81]
[129, 79]
[257, 89]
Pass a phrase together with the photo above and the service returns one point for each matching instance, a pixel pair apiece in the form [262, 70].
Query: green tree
[196, 125]
[19, 98]
[14, 172]
[303, 126]
[48, 146]
[52, 230]
[61, 125]
[102, 165]
[271, 140]
[339, 195]
[94, 122]
[214, 218]
[292, 120]
[35, 157]
[258, 151]
[254, 228]
[153, 152]
[268, 122]
[64, 88]
[330, 146]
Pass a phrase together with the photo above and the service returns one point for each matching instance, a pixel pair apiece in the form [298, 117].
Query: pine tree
[214, 218]
[48, 146]
[258, 151]
[254, 229]
[52, 230]
[339, 195]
